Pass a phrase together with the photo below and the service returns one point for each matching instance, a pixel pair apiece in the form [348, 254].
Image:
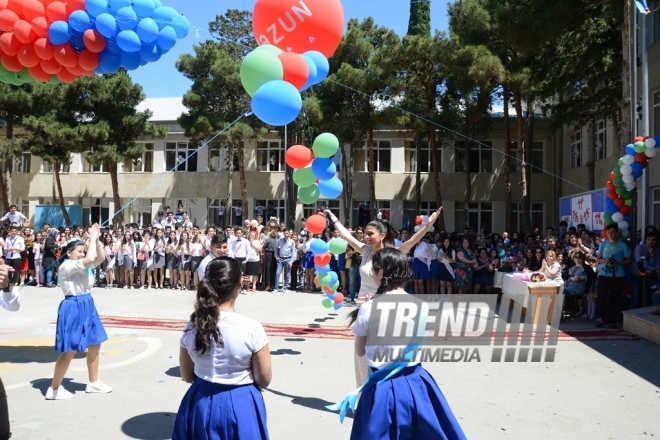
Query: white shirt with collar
[11, 300]
[14, 242]
[14, 217]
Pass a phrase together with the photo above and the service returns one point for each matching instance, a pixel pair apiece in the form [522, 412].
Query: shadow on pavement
[174, 372]
[308, 402]
[295, 339]
[43, 384]
[282, 351]
[640, 357]
[28, 354]
[151, 426]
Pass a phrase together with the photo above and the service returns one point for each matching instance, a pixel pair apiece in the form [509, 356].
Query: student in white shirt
[238, 210]
[219, 248]
[14, 245]
[159, 258]
[198, 253]
[221, 215]
[226, 358]
[15, 217]
[9, 300]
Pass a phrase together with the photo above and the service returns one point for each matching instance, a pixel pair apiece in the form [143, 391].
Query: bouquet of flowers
[537, 277]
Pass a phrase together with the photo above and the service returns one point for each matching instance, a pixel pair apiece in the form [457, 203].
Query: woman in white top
[159, 258]
[110, 259]
[145, 257]
[378, 234]
[400, 400]
[551, 268]
[253, 260]
[128, 251]
[79, 327]
[226, 358]
[198, 252]
[37, 249]
[184, 251]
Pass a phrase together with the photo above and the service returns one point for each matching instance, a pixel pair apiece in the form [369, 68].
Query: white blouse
[231, 365]
[74, 278]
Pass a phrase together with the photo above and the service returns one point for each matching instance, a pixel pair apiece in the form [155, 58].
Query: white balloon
[624, 225]
[417, 228]
[628, 159]
[630, 186]
[617, 217]
[431, 229]
[651, 152]
[628, 178]
[425, 219]
[626, 169]
[650, 143]
[624, 232]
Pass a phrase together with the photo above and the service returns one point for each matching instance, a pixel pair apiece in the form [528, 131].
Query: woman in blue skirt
[399, 401]
[79, 327]
[226, 358]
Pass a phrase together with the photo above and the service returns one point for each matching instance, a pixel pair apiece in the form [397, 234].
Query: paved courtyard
[596, 389]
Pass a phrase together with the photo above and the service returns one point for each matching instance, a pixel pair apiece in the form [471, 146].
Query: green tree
[419, 22]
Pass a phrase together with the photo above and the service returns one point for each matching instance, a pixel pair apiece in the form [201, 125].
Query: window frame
[47, 167]
[384, 205]
[410, 151]
[536, 209]
[19, 163]
[147, 157]
[270, 149]
[179, 160]
[333, 205]
[480, 149]
[361, 162]
[138, 209]
[577, 149]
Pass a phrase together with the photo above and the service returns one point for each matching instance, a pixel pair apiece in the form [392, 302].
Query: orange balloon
[74, 5]
[297, 26]
[93, 41]
[23, 31]
[339, 298]
[40, 27]
[9, 44]
[66, 77]
[66, 55]
[316, 224]
[44, 49]
[76, 70]
[7, 20]
[56, 11]
[27, 56]
[88, 60]
[39, 74]
[11, 63]
[50, 66]
[33, 9]
[296, 70]
[298, 156]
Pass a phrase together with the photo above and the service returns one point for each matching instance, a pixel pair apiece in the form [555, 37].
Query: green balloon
[327, 303]
[640, 147]
[325, 145]
[324, 279]
[629, 202]
[309, 195]
[334, 287]
[621, 163]
[617, 172]
[54, 80]
[627, 195]
[304, 177]
[607, 217]
[258, 68]
[618, 182]
[13, 80]
[270, 49]
[337, 246]
[621, 191]
[24, 76]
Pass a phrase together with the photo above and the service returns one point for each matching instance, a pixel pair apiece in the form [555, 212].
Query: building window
[96, 210]
[426, 208]
[140, 212]
[481, 157]
[189, 207]
[601, 140]
[277, 209]
[384, 205]
[536, 160]
[213, 211]
[22, 163]
[656, 206]
[142, 164]
[270, 155]
[425, 159]
[656, 107]
[382, 157]
[219, 158]
[22, 206]
[480, 217]
[89, 168]
[332, 205]
[176, 154]
[48, 167]
[576, 149]
[537, 213]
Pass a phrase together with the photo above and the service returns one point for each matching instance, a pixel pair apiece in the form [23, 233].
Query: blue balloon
[181, 26]
[130, 60]
[318, 247]
[338, 306]
[112, 46]
[166, 38]
[147, 30]
[109, 62]
[144, 8]
[630, 149]
[626, 218]
[332, 297]
[637, 174]
[127, 19]
[322, 269]
[610, 207]
[333, 278]
[99, 70]
[657, 141]
[77, 41]
[322, 65]
[324, 169]
[79, 21]
[129, 41]
[59, 33]
[96, 7]
[164, 15]
[150, 52]
[157, 4]
[115, 5]
[106, 25]
[637, 168]
[277, 103]
[330, 189]
[313, 72]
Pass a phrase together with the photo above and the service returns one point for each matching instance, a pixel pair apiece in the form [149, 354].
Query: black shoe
[600, 325]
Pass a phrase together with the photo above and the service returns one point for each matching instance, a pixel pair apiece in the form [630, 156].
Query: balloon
[621, 191]
[640, 157]
[59, 33]
[639, 147]
[11, 63]
[23, 31]
[313, 72]
[651, 152]
[33, 9]
[130, 60]
[628, 159]
[88, 60]
[625, 210]
[331, 189]
[624, 225]
[322, 269]
[27, 56]
[619, 202]
[270, 49]
[77, 41]
[96, 7]
[418, 220]
[324, 169]
[610, 185]
[38, 73]
[150, 52]
[638, 139]
[74, 5]
[337, 246]
[9, 44]
[324, 278]
[56, 11]
[93, 41]
[115, 5]
[127, 19]
[80, 21]
[329, 292]
[304, 177]
[166, 38]
[617, 217]
[147, 30]
[322, 259]
[318, 246]
[619, 180]
[66, 56]
[617, 171]
[334, 278]
[637, 168]
[612, 194]
[650, 143]
[7, 19]
[181, 26]
[315, 225]
[321, 63]
[277, 103]
[295, 67]
[144, 8]
[308, 195]
[338, 306]
[164, 16]
[325, 145]
[106, 25]
[109, 62]
[626, 170]
[66, 77]
[299, 26]
[630, 149]
[298, 156]
[327, 303]
[128, 41]
[40, 27]
[51, 66]
[258, 68]
[340, 298]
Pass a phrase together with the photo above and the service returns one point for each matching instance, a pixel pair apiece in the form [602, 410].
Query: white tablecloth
[519, 290]
[497, 279]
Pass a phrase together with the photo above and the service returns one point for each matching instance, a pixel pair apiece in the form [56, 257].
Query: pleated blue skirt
[78, 324]
[435, 269]
[420, 270]
[211, 411]
[308, 261]
[408, 406]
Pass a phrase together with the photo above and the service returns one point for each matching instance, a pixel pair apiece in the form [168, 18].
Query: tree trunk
[241, 179]
[591, 155]
[626, 81]
[58, 182]
[468, 187]
[6, 178]
[347, 179]
[372, 167]
[418, 173]
[230, 183]
[529, 142]
[3, 187]
[118, 216]
[440, 223]
[507, 163]
[522, 165]
[617, 133]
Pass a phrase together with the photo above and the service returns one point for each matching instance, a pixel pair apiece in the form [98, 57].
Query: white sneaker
[98, 387]
[58, 394]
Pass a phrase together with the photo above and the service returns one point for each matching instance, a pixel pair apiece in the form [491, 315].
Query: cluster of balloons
[60, 41]
[618, 204]
[326, 278]
[421, 221]
[314, 171]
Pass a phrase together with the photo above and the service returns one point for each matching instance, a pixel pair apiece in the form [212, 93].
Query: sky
[161, 79]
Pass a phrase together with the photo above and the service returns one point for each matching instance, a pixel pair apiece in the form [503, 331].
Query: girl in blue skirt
[79, 327]
[399, 401]
[226, 358]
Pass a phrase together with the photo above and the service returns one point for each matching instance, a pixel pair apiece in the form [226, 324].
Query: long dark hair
[221, 283]
[397, 272]
[384, 227]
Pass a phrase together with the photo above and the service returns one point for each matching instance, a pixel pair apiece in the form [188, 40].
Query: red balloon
[76, 70]
[339, 298]
[66, 55]
[316, 224]
[27, 56]
[56, 11]
[7, 20]
[619, 202]
[74, 5]
[328, 290]
[11, 63]
[625, 210]
[44, 49]
[33, 9]
[3, 4]
[25, 34]
[40, 26]
[298, 156]
[322, 260]
[16, 6]
[38, 73]
[611, 194]
[93, 41]
[66, 77]
[9, 44]
[296, 26]
[610, 185]
[638, 139]
[418, 220]
[88, 60]
[604, 232]
[51, 66]
[612, 176]
[296, 70]
[645, 163]
[640, 157]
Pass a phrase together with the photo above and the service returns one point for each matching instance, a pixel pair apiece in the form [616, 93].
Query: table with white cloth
[519, 292]
[497, 279]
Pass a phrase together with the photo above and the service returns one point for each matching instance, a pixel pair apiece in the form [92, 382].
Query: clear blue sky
[161, 79]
